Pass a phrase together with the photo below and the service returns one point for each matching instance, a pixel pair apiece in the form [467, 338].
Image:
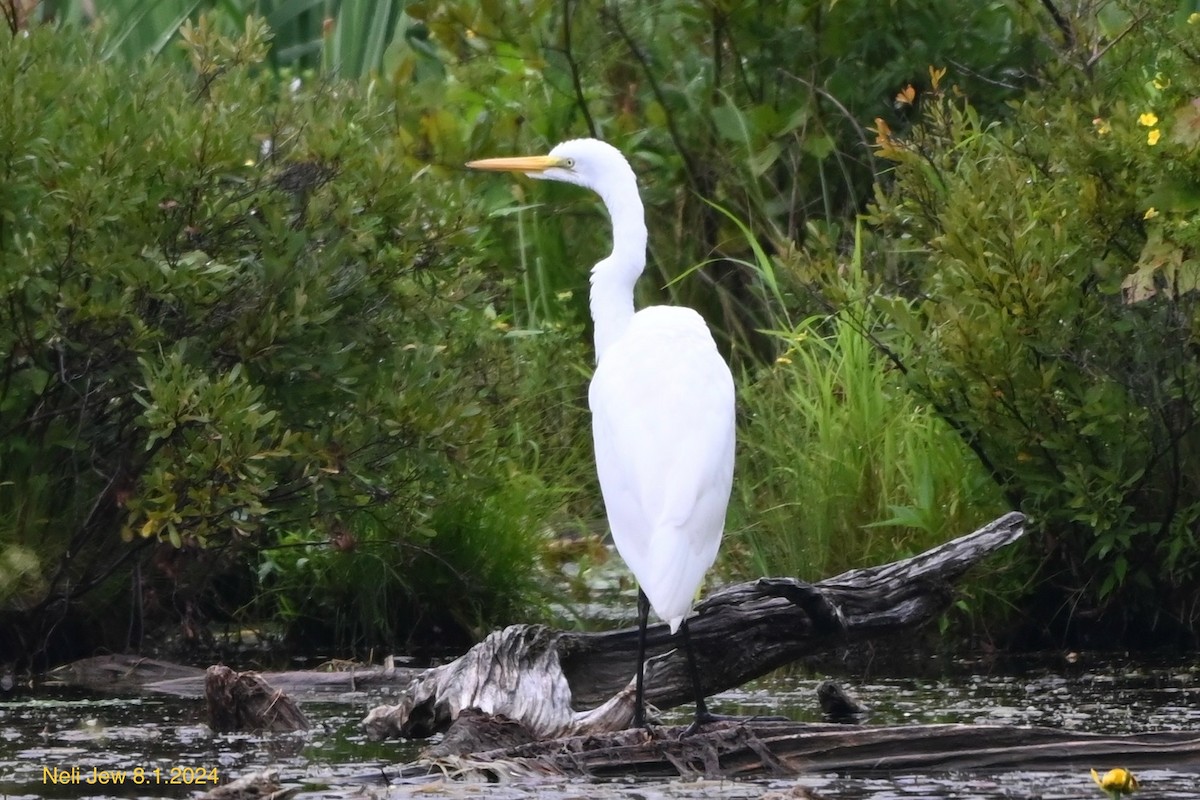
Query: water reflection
[45, 734]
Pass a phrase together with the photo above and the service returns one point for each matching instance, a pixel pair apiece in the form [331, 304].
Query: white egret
[662, 404]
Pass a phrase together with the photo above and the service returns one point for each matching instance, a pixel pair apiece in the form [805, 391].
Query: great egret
[662, 404]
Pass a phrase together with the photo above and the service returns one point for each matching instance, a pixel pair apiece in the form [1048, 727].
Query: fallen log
[762, 748]
[561, 684]
[123, 673]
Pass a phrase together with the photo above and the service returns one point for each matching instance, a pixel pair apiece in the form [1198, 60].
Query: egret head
[590, 163]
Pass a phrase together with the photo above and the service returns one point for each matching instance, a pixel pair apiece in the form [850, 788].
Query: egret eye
[569, 163]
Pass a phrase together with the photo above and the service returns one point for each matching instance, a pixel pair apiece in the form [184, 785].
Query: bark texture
[759, 749]
[558, 683]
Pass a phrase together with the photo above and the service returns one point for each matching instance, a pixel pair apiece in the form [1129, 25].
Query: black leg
[702, 713]
[639, 707]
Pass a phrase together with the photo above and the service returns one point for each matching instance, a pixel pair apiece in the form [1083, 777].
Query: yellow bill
[525, 164]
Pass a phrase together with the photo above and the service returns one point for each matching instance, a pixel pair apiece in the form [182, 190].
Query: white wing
[662, 405]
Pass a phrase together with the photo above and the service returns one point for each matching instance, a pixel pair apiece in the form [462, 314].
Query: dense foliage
[268, 355]
[245, 339]
[751, 109]
[757, 107]
[1043, 274]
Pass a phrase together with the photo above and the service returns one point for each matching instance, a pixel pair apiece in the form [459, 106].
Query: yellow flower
[1116, 782]
[1194, 18]
[1102, 126]
[1153, 136]
[1149, 119]
[1151, 213]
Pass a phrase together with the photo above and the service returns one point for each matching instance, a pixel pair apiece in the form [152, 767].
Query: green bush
[1045, 270]
[240, 318]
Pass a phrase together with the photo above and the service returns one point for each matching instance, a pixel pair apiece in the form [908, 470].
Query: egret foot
[639, 697]
[647, 720]
[703, 717]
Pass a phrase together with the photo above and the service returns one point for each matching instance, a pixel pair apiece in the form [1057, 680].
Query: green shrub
[1045, 270]
[312, 350]
[240, 317]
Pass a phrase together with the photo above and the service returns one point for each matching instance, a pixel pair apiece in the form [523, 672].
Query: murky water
[53, 744]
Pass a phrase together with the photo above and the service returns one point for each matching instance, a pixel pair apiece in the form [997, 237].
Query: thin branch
[576, 80]
[1062, 22]
[609, 12]
[1099, 54]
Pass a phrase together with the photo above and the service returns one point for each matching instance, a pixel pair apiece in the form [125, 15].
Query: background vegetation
[1045, 294]
[269, 354]
[250, 366]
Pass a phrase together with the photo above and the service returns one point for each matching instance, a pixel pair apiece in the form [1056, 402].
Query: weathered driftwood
[243, 701]
[755, 749]
[122, 673]
[307, 684]
[559, 683]
[132, 673]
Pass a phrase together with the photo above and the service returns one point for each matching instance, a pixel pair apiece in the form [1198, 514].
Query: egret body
[662, 403]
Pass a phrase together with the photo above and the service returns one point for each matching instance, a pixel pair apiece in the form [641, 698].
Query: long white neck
[613, 278]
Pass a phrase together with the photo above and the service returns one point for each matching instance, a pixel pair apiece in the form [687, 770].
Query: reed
[840, 466]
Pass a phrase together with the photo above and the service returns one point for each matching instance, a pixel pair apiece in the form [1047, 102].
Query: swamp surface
[47, 732]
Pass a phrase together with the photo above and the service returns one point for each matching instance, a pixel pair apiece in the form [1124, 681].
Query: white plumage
[662, 424]
[662, 403]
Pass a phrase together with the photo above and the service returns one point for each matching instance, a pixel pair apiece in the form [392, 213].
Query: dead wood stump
[243, 701]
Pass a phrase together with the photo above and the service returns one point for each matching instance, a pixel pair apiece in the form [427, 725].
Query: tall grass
[840, 467]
